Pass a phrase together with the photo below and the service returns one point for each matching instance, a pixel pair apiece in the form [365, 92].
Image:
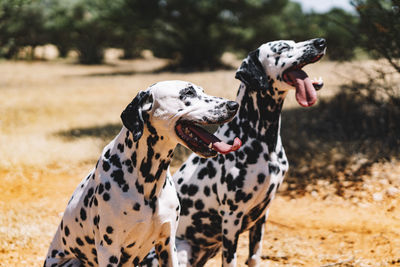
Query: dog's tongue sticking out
[224, 148]
[305, 91]
[215, 143]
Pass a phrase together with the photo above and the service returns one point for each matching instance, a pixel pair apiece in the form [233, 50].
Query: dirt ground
[319, 229]
[40, 167]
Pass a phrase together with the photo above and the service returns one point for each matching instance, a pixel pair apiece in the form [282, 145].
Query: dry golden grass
[38, 100]
[39, 168]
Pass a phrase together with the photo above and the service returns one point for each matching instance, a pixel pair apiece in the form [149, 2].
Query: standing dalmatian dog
[128, 203]
[224, 196]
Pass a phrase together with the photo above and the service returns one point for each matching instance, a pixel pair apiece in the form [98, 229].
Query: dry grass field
[55, 117]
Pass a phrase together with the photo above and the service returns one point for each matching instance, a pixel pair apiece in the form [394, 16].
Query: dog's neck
[258, 116]
[146, 160]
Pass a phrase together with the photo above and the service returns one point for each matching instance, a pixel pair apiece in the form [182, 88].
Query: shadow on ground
[119, 73]
[106, 132]
[160, 68]
[338, 140]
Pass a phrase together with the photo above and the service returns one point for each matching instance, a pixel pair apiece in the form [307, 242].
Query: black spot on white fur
[219, 208]
[119, 199]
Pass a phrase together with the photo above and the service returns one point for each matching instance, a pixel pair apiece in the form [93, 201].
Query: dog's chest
[255, 167]
[262, 182]
[98, 205]
[251, 181]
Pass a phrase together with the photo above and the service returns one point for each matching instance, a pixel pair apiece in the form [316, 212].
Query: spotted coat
[224, 196]
[128, 203]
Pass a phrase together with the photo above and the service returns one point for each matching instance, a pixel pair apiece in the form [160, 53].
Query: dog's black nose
[232, 105]
[320, 43]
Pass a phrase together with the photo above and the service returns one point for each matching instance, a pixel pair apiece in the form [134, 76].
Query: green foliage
[89, 26]
[21, 24]
[132, 24]
[59, 23]
[193, 33]
[339, 28]
[196, 32]
[380, 24]
[291, 23]
[81, 25]
[281, 22]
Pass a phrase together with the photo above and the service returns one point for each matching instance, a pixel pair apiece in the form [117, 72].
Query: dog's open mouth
[203, 142]
[306, 88]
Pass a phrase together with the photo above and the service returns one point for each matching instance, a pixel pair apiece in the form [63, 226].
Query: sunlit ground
[55, 117]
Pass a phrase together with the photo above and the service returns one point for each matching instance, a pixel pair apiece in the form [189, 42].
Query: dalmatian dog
[128, 203]
[224, 196]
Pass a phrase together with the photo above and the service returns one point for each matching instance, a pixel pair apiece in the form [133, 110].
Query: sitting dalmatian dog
[224, 196]
[128, 203]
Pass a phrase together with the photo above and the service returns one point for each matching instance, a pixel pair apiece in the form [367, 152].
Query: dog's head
[174, 110]
[276, 67]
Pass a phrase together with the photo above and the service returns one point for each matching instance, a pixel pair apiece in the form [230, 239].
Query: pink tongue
[224, 148]
[217, 144]
[305, 91]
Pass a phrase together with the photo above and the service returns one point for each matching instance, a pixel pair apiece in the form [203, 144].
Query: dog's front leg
[230, 236]
[256, 234]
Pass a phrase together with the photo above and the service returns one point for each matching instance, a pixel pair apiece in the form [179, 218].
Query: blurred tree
[380, 24]
[21, 25]
[89, 26]
[132, 23]
[59, 25]
[298, 25]
[339, 28]
[196, 32]
[80, 24]
[291, 23]
[380, 28]
[263, 25]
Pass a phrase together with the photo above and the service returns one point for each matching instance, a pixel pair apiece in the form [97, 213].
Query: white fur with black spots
[128, 203]
[224, 196]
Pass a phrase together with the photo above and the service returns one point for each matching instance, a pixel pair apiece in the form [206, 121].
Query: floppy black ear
[251, 72]
[134, 116]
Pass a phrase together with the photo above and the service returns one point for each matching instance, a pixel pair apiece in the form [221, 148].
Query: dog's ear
[135, 114]
[251, 72]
